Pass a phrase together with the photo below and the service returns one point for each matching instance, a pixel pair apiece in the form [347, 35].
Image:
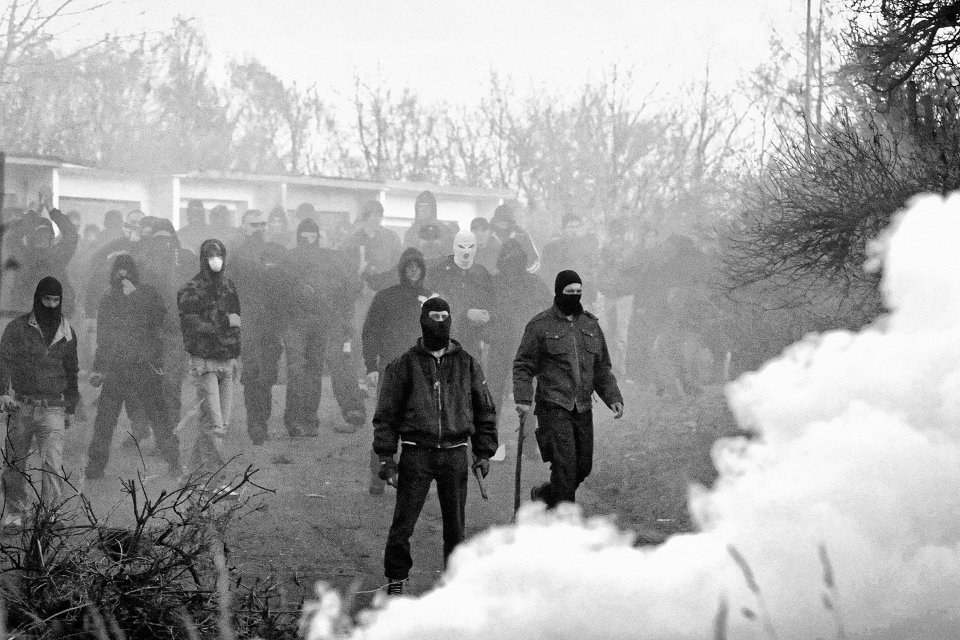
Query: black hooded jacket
[392, 324]
[518, 295]
[129, 327]
[204, 304]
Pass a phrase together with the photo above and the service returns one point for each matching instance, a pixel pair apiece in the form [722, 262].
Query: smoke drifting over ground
[842, 520]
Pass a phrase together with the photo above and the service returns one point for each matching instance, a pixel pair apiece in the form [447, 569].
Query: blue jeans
[214, 381]
[33, 429]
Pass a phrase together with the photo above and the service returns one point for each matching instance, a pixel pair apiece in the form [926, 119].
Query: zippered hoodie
[437, 403]
[205, 304]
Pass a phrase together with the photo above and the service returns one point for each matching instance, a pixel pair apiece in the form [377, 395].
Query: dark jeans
[138, 381]
[305, 343]
[343, 379]
[565, 439]
[261, 368]
[419, 466]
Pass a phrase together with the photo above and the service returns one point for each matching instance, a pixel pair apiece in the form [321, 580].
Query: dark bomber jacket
[205, 304]
[38, 370]
[435, 403]
[569, 359]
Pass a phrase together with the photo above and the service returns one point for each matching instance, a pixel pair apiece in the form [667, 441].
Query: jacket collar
[452, 347]
[63, 331]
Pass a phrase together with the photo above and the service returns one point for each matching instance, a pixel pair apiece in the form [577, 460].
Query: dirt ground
[318, 522]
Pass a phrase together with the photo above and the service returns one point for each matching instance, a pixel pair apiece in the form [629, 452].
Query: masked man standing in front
[433, 400]
[38, 361]
[564, 349]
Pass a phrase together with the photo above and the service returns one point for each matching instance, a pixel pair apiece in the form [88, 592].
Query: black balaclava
[436, 335]
[425, 207]
[125, 262]
[411, 255]
[512, 260]
[48, 319]
[308, 225]
[205, 257]
[569, 304]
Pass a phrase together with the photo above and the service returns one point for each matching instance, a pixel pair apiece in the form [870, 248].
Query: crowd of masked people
[140, 307]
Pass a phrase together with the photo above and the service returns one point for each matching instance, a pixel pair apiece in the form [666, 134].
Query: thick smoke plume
[841, 521]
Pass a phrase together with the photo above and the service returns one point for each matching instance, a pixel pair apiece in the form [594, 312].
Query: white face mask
[216, 264]
[464, 249]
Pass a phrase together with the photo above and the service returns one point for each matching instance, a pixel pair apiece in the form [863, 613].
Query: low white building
[92, 192]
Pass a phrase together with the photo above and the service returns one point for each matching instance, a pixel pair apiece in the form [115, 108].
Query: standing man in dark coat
[43, 253]
[391, 327]
[323, 290]
[259, 285]
[38, 361]
[210, 322]
[466, 286]
[433, 400]
[128, 364]
[564, 349]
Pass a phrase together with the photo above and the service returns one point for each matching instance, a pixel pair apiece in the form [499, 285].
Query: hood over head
[425, 207]
[126, 263]
[503, 218]
[48, 318]
[208, 249]
[436, 333]
[308, 232]
[408, 257]
[512, 259]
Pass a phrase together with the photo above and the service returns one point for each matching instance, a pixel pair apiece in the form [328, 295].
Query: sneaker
[395, 588]
[12, 522]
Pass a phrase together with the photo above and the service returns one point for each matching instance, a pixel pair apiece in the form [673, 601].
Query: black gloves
[389, 470]
[483, 464]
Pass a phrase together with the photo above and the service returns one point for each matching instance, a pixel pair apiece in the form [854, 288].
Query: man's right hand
[389, 470]
[523, 410]
[8, 404]
[373, 378]
[96, 379]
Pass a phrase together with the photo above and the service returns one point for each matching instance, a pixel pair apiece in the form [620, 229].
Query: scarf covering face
[568, 303]
[48, 319]
[124, 262]
[436, 335]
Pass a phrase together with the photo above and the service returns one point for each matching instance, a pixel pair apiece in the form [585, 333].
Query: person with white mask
[210, 321]
[466, 285]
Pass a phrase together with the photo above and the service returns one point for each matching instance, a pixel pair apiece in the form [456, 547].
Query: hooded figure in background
[128, 362]
[466, 286]
[391, 327]
[209, 309]
[259, 284]
[38, 361]
[504, 226]
[425, 213]
[518, 295]
[196, 230]
[321, 292]
[44, 250]
[372, 249]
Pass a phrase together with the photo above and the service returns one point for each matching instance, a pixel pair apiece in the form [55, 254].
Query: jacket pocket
[554, 343]
[591, 340]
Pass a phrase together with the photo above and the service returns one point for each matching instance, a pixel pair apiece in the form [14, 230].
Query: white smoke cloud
[843, 520]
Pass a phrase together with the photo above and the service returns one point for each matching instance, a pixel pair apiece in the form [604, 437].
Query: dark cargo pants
[261, 368]
[418, 467]
[565, 439]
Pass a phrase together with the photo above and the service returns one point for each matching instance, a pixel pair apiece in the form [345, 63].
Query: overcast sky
[446, 48]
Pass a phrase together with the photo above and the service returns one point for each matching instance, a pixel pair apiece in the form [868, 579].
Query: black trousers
[565, 439]
[261, 368]
[420, 466]
[139, 382]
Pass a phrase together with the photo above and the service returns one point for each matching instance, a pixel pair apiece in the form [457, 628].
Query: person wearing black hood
[518, 295]
[424, 214]
[323, 290]
[434, 400]
[259, 284]
[128, 364]
[209, 311]
[391, 327]
[504, 226]
[38, 361]
[564, 350]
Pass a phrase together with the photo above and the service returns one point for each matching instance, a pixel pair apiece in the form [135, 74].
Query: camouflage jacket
[204, 304]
